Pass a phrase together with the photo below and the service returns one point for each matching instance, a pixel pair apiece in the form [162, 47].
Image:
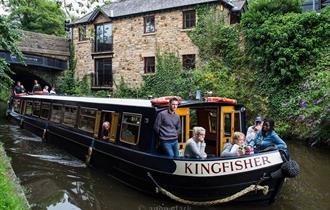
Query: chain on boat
[253, 187]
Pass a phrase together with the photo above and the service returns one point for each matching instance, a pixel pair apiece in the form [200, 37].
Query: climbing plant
[9, 35]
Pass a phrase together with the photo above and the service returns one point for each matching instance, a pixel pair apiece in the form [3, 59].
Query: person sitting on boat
[18, 88]
[36, 86]
[195, 146]
[268, 138]
[23, 89]
[168, 126]
[253, 130]
[52, 91]
[236, 148]
[105, 130]
[46, 89]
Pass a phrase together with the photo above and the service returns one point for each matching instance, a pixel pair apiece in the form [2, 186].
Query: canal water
[55, 180]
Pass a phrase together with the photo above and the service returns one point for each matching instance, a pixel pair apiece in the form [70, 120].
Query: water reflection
[56, 180]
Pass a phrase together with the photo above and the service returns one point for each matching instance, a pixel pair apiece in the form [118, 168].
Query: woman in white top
[233, 149]
[195, 146]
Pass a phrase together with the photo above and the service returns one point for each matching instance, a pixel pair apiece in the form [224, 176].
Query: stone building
[121, 39]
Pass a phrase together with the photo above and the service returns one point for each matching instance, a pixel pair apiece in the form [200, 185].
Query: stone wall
[131, 44]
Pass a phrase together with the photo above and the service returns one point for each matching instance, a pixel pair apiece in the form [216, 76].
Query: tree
[44, 16]
[68, 84]
[9, 36]
[77, 8]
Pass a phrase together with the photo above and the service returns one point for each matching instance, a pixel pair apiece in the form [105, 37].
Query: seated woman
[268, 137]
[195, 146]
[105, 130]
[234, 149]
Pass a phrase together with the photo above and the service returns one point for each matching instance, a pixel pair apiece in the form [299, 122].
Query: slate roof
[133, 7]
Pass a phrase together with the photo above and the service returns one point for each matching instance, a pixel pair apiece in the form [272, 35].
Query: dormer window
[103, 41]
[149, 24]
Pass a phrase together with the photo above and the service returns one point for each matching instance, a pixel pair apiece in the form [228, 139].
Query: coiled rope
[251, 188]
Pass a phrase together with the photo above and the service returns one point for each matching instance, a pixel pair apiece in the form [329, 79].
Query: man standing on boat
[168, 127]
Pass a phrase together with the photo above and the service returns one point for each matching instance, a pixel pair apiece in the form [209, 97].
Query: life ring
[163, 101]
[221, 99]
[39, 93]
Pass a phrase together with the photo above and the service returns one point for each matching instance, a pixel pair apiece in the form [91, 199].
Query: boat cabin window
[87, 119]
[45, 110]
[36, 108]
[212, 121]
[183, 136]
[28, 108]
[70, 115]
[130, 128]
[237, 121]
[227, 124]
[112, 119]
[17, 105]
[57, 113]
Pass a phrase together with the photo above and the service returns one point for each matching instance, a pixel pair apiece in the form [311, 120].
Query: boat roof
[116, 101]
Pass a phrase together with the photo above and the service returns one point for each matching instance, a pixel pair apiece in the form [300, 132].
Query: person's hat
[258, 119]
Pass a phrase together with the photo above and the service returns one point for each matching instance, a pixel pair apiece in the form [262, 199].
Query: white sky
[75, 5]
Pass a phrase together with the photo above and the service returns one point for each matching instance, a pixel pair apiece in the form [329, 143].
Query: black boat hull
[132, 167]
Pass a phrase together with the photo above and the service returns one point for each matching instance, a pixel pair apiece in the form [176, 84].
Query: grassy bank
[10, 197]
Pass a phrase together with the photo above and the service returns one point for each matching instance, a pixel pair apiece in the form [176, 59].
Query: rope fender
[251, 188]
[89, 153]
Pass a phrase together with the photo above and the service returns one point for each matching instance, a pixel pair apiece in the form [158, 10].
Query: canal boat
[130, 151]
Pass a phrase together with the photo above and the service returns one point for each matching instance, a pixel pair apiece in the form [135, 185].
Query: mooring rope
[252, 187]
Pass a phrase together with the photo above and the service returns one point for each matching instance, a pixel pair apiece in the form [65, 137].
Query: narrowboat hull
[189, 179]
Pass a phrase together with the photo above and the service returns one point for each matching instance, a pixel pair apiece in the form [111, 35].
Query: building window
[188, 61]
[82, 33]
[149, 65]
[103, 41]
[103, 72]
[149, 24]
[189, 19]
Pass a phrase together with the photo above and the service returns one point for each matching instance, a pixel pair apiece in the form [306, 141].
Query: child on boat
[237, 148]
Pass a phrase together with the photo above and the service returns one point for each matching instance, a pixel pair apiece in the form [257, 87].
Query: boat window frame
[26, 106]
[33, 106]
[226, 135]
[239, 120]
[51, 113]
[80, 115]
[75, 120]
[115, 115]
[211, 130]
[121, 127]
[49, 110]
[17, 106]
